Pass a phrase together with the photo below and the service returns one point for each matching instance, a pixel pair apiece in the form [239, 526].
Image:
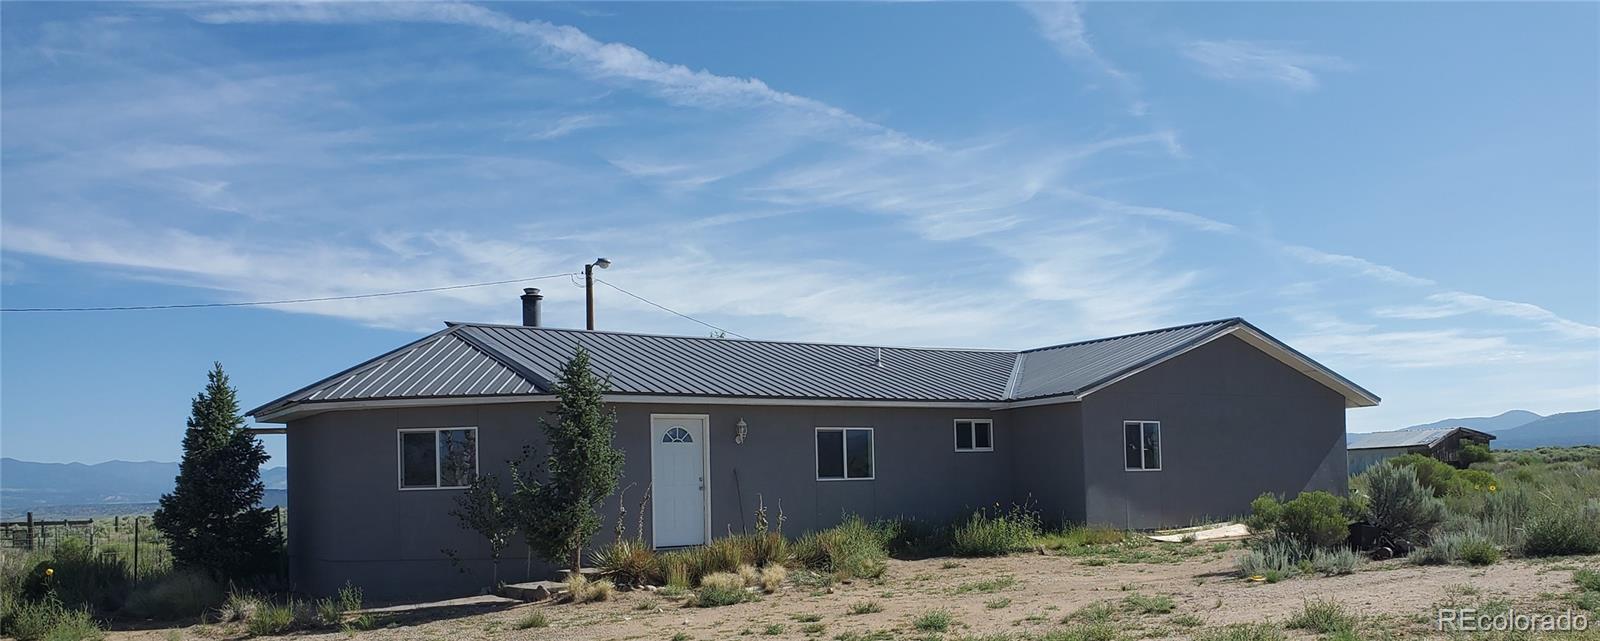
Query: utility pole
[588, 289]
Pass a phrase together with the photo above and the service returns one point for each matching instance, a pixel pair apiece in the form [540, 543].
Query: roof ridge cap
[1219, 321]
[983, 350]
[1016, 377]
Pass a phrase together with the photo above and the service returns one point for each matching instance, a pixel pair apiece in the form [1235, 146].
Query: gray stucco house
[1157, 428]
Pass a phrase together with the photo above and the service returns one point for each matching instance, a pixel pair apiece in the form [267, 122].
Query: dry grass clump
[772, 578]
[749, 574]
[582, 589]
[721, 588]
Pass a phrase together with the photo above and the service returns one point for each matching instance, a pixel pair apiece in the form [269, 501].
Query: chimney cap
[530, 291]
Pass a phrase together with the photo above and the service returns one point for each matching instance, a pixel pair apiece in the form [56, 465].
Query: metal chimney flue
[530, 306]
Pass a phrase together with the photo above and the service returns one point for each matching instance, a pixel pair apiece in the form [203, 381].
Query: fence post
[30, 531]
[136, 550]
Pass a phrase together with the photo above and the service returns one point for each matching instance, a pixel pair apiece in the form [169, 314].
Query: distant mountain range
[57, 490]
[1521, 429]
[1490, 424]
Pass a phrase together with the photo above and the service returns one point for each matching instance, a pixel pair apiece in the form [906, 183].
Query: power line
[672, 311]
[288, 301]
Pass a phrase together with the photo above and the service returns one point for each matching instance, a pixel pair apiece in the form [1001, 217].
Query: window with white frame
[1141, 442]
[438, 457]
[844, 453]
[974, 435]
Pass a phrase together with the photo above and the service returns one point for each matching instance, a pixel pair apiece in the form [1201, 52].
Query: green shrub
[983, 535]
[1265, 513]
[75, 625]
[865, 607]
[1322, 616]
[1475, 453]
[1587, 580]
[1563, 529]
[1400, 505]
[1315, 518]
[1078, 536]
[1279, 557]
[271, 619]
[1433, 474]
[851, 549]
[1475, 481]
[534, 619]
[1335, 561]
[1480, 551]
[679, 569]
[1084, 632]
[1158, 604]
[79, 578]
[630, 562]
[179, 594]
[1461, 546]
[933, 621]
[49, 620]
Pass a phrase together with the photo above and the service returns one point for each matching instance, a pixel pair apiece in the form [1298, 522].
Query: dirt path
[1017, 596]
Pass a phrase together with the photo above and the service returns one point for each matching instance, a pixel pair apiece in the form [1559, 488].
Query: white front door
[678, 479]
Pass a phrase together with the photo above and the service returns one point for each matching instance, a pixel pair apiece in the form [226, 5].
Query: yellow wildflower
[49, 571]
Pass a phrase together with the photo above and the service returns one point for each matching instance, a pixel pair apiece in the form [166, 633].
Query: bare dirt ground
[1017, 597]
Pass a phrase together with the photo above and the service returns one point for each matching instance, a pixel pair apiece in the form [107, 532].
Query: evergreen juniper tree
[562, 512]
[213, 519]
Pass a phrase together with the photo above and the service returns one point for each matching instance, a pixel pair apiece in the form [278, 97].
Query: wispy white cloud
[1241, 60]
[1454, 303]
[1355, 264]
[1061, 23]
[566, 125]
[773, 214]
[571, 46]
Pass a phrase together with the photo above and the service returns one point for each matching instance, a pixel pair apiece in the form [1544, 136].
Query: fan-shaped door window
[677, 435]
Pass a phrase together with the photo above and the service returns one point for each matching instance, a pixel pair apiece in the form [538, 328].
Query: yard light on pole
[588, 287]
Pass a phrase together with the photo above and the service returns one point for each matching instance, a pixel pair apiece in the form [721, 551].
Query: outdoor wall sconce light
[742, 431]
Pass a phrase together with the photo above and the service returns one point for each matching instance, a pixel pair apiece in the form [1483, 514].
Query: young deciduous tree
[561, 512]
[213, 518]
[485, 510]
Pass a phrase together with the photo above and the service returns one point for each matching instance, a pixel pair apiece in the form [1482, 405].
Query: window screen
[1141, 442]
[438, 458]
[974, 435]
[844, 453]
[419, 465]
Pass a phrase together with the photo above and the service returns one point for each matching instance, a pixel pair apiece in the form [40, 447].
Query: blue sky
[1406, 192]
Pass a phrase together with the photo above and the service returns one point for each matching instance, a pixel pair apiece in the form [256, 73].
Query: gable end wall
[1235, 422]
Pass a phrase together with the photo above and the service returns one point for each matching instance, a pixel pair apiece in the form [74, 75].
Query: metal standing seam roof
[441, 364]
[466, 360]
[1400, 438]
[678, 365]
[1074, 367]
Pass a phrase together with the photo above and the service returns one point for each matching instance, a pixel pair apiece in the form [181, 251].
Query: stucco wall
[1047, 470]
[349, 522]
[1234, 423]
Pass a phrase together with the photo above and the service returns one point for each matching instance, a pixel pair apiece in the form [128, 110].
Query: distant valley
[60, 490]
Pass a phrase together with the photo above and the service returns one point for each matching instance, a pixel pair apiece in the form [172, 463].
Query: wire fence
[130, 540]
